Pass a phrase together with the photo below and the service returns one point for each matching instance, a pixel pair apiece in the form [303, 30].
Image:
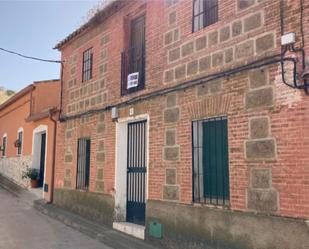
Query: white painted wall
[121, 171]
[14, 167]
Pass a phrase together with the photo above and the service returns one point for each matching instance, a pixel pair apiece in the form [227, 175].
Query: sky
[33, 28]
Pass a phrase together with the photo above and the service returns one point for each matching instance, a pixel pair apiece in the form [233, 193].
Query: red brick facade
[267, 120]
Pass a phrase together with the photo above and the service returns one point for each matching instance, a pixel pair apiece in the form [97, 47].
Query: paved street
[22, 227]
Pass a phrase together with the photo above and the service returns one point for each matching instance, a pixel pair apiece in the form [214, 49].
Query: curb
[106, 235]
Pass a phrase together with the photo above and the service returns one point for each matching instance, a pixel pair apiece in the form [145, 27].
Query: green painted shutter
[215, 159]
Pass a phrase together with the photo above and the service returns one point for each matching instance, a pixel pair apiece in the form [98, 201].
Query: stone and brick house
[29, 118]
[177, 116]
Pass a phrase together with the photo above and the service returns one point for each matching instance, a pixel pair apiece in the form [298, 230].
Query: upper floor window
[205, 13]
[3, 147]
[87, 65]
[133, 58]
[19, 141]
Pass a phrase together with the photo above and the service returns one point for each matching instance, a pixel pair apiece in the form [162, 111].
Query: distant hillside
[5, 94]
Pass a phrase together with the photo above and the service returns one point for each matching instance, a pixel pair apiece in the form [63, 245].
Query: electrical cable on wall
[183, 86]
[29, 57]
[291, 48]
[42, 60]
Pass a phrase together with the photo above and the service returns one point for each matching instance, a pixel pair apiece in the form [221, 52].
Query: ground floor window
[19, 141]
[4, 142]
[83, 164]
[210, 161]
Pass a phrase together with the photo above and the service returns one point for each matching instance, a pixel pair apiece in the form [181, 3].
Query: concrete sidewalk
[23, 227]
[26, 211]
[104, 234]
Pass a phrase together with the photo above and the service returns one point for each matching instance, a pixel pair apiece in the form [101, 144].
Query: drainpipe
[55, 134]
[61, 88]
[53, 156]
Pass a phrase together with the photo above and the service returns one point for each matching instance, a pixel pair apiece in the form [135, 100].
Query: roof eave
[17, 96]
[102, 15]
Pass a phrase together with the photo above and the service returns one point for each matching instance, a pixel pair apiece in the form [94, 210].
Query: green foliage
[5, 94]
[31, 173]
[9, 92]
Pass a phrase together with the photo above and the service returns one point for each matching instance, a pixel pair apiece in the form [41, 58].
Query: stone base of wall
[97, 207]
[14, 167]
[186, 226]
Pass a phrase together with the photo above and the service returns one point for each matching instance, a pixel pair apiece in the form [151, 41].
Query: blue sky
[33, 28]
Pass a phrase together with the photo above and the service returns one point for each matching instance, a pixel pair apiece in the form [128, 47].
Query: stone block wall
[14, 167]
[207, 228]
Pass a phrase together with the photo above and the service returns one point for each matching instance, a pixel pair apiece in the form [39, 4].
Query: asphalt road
[22, 227]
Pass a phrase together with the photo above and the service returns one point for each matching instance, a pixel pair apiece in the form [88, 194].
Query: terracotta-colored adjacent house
[186, 123]
[29, 117]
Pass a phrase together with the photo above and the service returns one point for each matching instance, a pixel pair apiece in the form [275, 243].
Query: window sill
[131, 91]
[225, 206]
[82, 190]
[208, 27]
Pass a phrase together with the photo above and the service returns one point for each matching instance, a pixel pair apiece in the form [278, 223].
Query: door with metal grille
[42, 159]
[83, 163]
[136, 172]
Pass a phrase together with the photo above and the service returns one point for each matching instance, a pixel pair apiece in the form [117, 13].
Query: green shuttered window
[210, 161]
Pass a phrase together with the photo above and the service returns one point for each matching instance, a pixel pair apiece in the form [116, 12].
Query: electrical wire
[284, 49]
[301, 23]
[183, 86]
[29, 57]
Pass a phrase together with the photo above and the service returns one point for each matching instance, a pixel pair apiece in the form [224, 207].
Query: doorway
[136, 172]
[39, 152]
[42, 159]
[131, 177]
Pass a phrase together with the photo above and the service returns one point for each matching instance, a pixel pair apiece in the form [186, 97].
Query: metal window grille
[205, 13]
[20, 139]
[136, 172]
[210, 161]
[83, 164]
[4, 142]
[133, 59]
[87, 65]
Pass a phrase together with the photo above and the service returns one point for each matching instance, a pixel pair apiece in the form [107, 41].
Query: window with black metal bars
[205, 13]
[87, 65]
[20, 144]
[4, 139]
[210, 161]
[83, 164]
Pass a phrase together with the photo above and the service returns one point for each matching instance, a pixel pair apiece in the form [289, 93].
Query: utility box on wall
[46, 188]
[155, 229]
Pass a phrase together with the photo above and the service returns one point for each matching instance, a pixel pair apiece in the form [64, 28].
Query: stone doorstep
[132, 229]
[108, 236]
